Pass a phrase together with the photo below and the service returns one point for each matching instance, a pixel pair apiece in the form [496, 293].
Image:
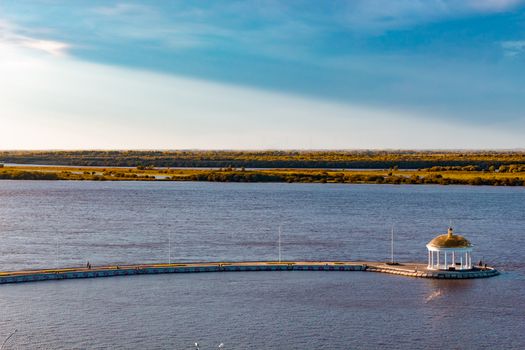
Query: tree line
[276, 175]
[365, 159]
[325, 177]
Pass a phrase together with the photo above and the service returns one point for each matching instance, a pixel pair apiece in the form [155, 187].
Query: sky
[361, 74]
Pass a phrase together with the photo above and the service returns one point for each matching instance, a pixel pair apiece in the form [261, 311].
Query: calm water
[120, 222]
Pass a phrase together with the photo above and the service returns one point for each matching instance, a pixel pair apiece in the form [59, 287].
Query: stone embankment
[411, 270]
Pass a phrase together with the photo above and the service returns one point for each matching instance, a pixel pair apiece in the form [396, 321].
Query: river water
[44, 224]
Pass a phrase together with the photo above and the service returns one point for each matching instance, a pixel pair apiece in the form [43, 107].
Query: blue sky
[262, 74]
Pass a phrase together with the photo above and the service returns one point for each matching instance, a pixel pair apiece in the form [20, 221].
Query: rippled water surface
[44, 224]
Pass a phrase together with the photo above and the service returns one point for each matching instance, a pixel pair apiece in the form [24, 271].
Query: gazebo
[449, 252]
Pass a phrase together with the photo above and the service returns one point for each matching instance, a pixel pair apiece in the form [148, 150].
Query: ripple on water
[130, 222]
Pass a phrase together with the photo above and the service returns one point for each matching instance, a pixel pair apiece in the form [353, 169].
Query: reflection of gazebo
[449, 252]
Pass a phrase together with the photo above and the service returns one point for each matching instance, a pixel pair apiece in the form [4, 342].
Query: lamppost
[392, 246]
[56, 251]
[169, 247]
[279, 243]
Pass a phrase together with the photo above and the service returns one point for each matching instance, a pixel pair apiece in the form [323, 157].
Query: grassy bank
[405, 159]
[390, 176]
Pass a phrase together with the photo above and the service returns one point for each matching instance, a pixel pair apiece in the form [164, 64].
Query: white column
[437, 252]
[432, 258]
[446, 266]
[461, 257]
[454, 259]
[428, 261]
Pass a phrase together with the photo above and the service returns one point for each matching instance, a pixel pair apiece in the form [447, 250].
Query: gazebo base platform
[421, 270]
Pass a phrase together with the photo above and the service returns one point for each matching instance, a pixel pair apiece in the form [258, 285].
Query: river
[67, 223]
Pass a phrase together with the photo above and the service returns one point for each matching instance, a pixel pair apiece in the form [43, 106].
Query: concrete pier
[410, 270]
[420, 270]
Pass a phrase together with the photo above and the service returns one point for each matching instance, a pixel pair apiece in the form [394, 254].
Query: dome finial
[450, 231]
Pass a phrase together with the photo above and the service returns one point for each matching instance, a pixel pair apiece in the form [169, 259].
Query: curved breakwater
[410, 270]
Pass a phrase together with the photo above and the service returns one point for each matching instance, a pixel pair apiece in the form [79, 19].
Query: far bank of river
[375, 176]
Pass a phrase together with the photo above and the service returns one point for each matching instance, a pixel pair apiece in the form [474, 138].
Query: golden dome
[450, 240]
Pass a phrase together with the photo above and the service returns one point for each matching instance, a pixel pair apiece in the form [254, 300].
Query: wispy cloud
[493, 5]
[123, 9]
[10, 37]
[51, 47]
[278, 29]
[513, 48]
[382, 15]
[267, 30]
[72, 105]
[147, 22]
[339, 50]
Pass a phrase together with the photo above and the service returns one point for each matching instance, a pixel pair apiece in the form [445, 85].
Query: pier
[403, 269]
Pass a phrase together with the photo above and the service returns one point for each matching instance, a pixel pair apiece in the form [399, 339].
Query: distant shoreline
[494, 168]
[435, 175]
[269, 159]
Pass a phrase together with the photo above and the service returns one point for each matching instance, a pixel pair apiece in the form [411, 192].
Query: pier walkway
[405, 269]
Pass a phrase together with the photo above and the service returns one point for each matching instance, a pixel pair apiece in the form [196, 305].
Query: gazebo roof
[450, 240]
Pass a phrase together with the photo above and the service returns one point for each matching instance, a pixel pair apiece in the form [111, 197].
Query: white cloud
[51, 47]
[48, 103]
[9, 38]
[513, 48]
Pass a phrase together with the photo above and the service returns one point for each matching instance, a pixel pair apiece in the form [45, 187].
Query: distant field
[388, 176]
[269, 159]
